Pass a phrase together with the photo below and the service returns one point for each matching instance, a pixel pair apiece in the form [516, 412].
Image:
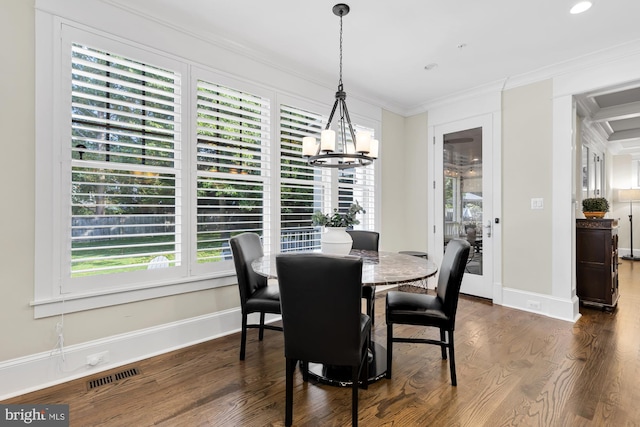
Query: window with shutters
[303, 189]
[358, 185]
[124, 167]
[143, 175]
[233, 193]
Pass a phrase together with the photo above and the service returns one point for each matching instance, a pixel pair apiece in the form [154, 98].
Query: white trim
[46, 369]
[616, 68]
[484, 106]
[603, 58]
[550, 306]
[53, 306]
[563, 202]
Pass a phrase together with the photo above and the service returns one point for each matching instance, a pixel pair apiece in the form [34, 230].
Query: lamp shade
[328, 140]
[363, 141]
[374, 148]
[309, 146]
[628, 195]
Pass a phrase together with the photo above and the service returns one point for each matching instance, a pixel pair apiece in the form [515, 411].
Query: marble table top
[379, 268]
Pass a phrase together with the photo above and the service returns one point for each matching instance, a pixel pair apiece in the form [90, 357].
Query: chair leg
[443, 346]
[389, 348]
[355, 373]
[304, 367]
[261, 333]
[290, 368]
[452, 360]
[243, 336]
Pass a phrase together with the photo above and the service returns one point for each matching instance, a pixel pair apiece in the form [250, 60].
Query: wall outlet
[98, 358]
[534, 305]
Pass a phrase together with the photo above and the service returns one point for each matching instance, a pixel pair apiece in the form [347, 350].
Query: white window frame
[52, 111]
[199, 74]
[53, 106]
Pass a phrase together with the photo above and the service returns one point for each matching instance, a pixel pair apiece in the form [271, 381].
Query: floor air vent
[112, 378]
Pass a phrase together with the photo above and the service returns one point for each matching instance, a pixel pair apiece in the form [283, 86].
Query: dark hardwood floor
[514, 368]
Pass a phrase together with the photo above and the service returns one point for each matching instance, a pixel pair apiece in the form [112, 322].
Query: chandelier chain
[340, 81]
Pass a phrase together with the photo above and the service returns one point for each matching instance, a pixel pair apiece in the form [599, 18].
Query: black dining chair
[322, 320]
[256, 296]
[368, 241]
[431, 310]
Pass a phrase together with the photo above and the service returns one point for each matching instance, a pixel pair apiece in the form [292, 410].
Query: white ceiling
[387, 44]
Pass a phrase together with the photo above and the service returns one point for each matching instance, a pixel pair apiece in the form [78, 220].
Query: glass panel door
[463, 197]
[462, 179]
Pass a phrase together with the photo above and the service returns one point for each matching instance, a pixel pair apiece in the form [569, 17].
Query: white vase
[336, 240]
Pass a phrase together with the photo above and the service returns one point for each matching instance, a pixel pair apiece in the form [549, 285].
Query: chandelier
[351, 149]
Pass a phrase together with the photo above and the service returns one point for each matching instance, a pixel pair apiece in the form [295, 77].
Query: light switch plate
[537, 203]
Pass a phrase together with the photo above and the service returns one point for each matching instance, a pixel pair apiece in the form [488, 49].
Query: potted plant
[335, 239]
[595, 207]
[337, 219]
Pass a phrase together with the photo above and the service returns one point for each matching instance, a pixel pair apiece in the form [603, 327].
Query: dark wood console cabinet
[597, 262]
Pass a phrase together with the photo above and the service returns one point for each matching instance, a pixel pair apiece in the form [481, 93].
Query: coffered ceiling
[615, 114]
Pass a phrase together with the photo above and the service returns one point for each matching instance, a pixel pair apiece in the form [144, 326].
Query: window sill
[80, 302]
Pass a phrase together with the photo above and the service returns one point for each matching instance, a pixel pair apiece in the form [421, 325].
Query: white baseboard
[38, 371]
[547, 305]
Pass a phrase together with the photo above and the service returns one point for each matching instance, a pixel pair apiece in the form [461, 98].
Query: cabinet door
[592, 281]
[593, 246]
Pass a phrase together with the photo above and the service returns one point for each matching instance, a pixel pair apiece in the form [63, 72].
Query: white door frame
[486, 109]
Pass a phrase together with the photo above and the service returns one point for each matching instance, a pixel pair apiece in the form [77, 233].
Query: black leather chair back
[320, 301]
[451, 272]
[247, 247]
[365, 240]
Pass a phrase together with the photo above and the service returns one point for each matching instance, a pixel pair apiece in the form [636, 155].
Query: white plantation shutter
[358, 184]
[303, 189]
[137, 197]
[233, 129]
[125, 164]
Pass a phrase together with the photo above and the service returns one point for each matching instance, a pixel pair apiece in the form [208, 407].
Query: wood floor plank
[514, 369]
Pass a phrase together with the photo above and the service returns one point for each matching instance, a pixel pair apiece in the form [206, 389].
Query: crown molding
[299, 70]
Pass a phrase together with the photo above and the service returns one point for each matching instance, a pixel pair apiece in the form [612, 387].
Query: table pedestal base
[340, 376]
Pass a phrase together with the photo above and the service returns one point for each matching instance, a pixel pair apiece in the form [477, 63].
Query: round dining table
[379, 268]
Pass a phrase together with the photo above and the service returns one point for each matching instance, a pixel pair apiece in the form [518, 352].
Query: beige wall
[392, 226]
[416, 165]
[17, 174]
[526, 163]
[404, 182]
[23, 335]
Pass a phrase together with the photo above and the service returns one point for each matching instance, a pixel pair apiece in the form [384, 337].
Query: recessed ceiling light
[580, 7]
